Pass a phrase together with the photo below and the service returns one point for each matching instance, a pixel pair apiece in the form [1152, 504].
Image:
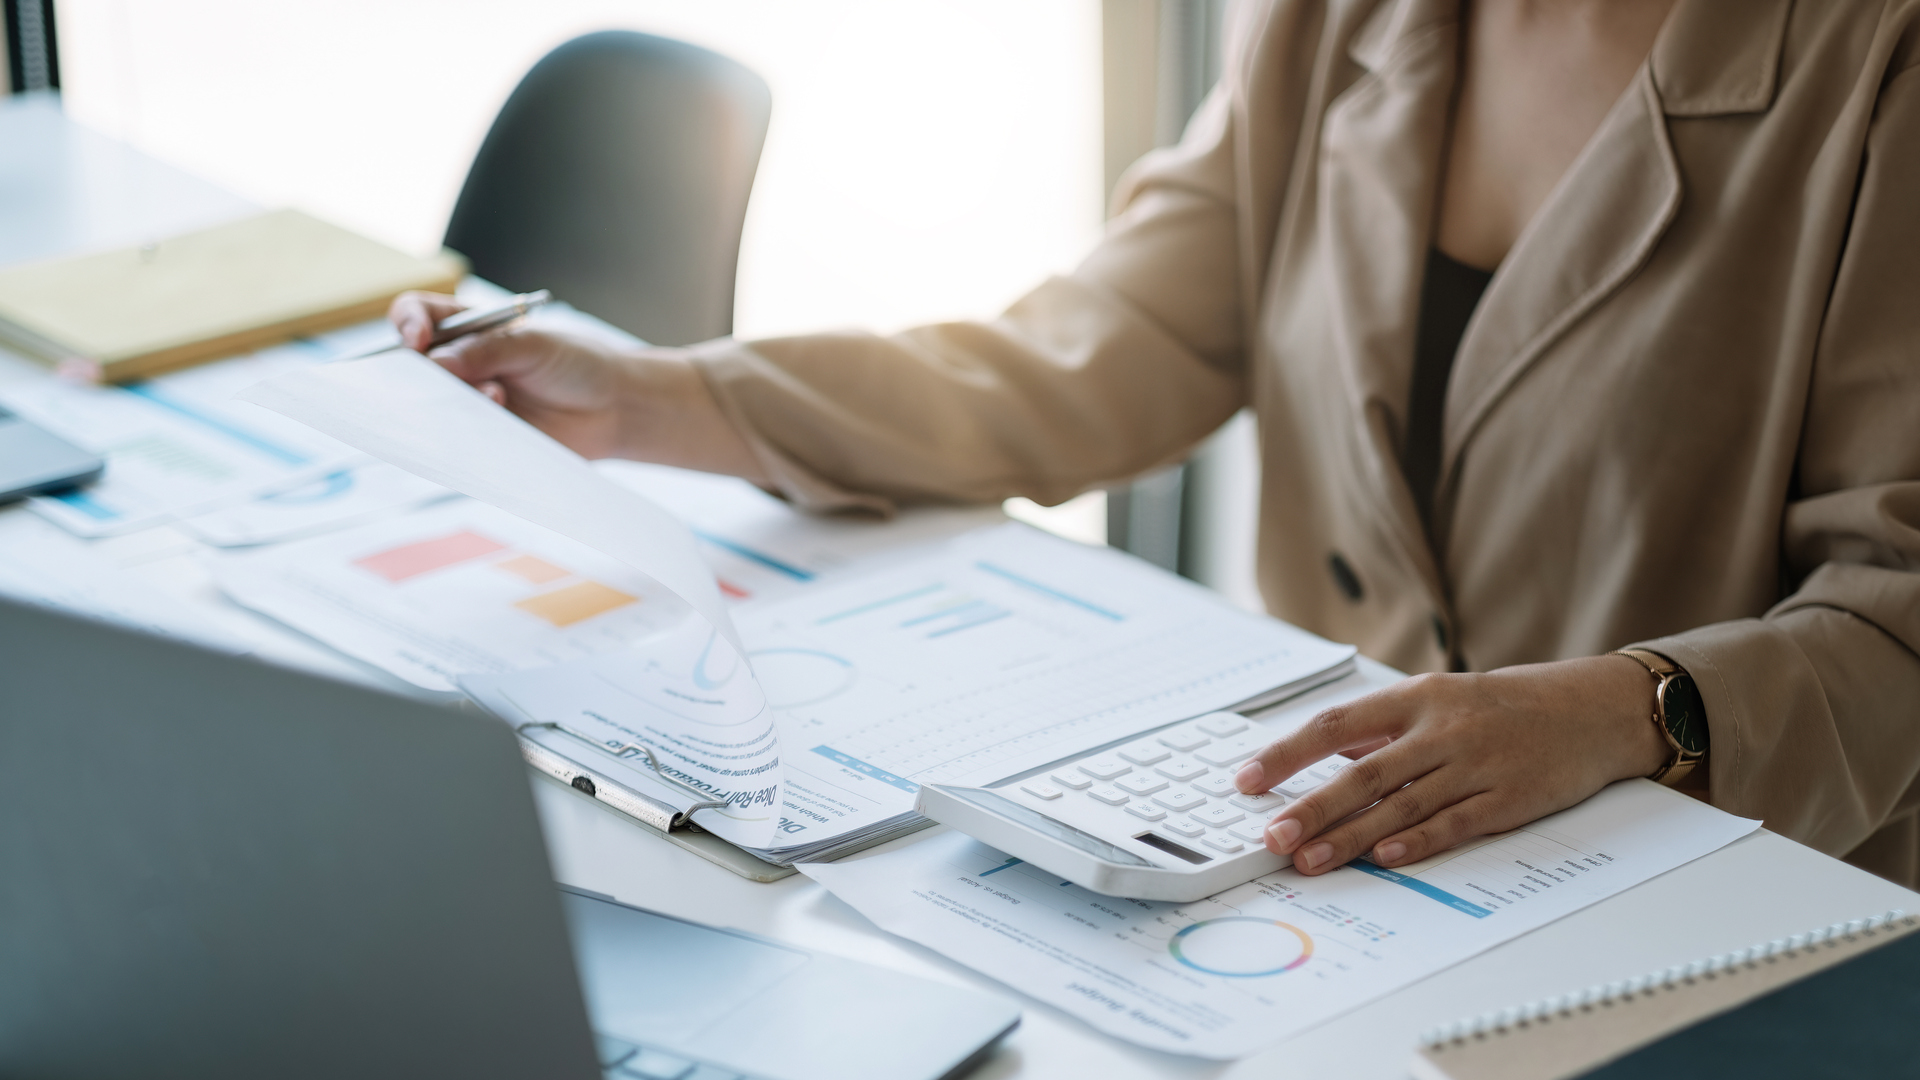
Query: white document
[174, 445]
[43, 565]
[1224, 976]
[408, 411]
[1007, 648]
[347, 496]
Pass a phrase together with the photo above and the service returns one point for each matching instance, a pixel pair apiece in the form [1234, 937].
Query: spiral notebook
[1575, 1033]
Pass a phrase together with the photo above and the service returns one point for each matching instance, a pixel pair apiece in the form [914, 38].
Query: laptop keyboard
[622, 1060]
[1178, 783]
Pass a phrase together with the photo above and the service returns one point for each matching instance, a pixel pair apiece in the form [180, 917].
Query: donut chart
[1241, 947]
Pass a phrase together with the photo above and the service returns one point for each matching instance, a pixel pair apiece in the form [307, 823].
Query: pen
[471, 321]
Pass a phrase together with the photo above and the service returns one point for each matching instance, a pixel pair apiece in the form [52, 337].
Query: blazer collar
[1713, 58]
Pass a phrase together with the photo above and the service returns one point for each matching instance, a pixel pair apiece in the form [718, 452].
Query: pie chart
[1241, 947]
[796, 677]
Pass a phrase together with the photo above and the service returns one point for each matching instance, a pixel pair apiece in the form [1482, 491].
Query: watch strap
[1664, 670]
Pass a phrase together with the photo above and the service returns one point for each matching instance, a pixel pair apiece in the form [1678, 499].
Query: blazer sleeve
[1092, 377]
[1814, 708]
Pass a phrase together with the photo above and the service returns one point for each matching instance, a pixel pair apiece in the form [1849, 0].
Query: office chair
[617, 176]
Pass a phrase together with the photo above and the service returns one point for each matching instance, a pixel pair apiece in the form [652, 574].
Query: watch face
[1686, 714]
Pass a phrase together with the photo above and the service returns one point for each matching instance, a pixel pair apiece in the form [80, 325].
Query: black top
[1448, 294]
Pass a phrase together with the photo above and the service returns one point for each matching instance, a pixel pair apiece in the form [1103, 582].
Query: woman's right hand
[600, 400]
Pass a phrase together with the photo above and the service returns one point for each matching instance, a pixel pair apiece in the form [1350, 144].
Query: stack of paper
[965, 662]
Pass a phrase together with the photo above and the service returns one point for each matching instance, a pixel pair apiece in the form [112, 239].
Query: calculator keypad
[1141, 783]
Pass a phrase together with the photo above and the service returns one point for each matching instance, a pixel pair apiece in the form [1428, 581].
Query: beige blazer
[1686, 413]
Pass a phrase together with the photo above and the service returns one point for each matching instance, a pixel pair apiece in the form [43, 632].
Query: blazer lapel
[1609, 212]
[1379, 171]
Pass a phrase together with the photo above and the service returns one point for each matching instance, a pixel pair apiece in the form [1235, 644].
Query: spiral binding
[1601, 994]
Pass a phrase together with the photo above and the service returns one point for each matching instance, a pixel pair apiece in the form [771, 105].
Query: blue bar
[751, 555]
[982, 621]
[1421, 887]
[84, 503]
[273, 450]
[1008, 865]
[857, 765]
[864, 608]
[943, 613]
[1055, 593]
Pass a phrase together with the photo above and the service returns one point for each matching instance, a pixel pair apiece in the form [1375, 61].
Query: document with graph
[803, 721]
[1224, 976]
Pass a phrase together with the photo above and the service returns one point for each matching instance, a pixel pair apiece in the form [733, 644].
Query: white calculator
[1155, 818]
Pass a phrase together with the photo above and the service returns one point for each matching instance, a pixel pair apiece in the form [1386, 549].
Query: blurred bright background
[927, 159]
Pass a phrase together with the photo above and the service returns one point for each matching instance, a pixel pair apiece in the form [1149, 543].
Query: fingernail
[1284, 832]
[1251, 777]
[1390, 852]
[1315, 855]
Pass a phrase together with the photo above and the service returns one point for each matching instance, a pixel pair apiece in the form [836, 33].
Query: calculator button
[1253, 832]
[1265, 802]
[1185, 738]
[1109, 794]
[1230, 751]
[1141, 783]
[1145, 753]
[1181, 769]
[1299, 784]
[1072, 780]
[1223, 842]
[1219, 814]
[1221, 725]
[1219, 785]
[1329, 768]
[1105, 768]
[1144, 809]
[1040, 791]
[1186, 827]
[1180, 800]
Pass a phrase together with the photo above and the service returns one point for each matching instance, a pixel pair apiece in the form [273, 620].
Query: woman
[1571, 325]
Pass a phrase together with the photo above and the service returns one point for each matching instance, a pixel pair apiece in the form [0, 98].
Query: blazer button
[1344, 577]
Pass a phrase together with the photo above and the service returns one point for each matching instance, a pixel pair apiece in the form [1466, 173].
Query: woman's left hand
[1444, 758]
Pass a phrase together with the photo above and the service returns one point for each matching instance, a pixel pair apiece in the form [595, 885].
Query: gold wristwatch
[1678, 713]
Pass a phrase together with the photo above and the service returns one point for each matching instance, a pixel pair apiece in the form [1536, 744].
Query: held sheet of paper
[1221, 977]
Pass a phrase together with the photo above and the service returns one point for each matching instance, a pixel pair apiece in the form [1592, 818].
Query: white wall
[928, 159]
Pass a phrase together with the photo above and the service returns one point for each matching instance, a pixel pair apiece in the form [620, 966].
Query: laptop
[211, 867]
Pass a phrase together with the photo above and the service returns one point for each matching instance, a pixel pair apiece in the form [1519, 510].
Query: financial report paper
[1224, 976]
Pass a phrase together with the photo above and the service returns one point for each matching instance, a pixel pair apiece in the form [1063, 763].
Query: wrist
[1643, 748]
[670, 416]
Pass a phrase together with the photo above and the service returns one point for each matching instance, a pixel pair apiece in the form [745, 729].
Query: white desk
[1759, 888]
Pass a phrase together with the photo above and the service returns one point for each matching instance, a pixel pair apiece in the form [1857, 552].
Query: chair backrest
[617, 175]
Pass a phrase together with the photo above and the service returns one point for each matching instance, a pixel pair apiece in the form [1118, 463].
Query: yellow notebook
[208, 294]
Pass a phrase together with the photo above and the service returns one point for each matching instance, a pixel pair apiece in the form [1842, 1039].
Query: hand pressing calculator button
[1266, 802]
[1141, 783]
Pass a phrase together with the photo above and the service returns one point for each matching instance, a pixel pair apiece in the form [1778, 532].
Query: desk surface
[67, 189]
